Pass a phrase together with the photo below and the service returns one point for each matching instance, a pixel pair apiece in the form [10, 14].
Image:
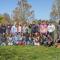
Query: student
[15, 39]
[4, 40]
[30, 39]
[8, 29]
[9, 40]
[3, 44]
[27, 39]
[19, 28]
[45, 40]
[57, 44]
[51, 29]
[21, 39]
[29, 29]
[25, 29]
[3, 28]
[1, 38]
[50, 40]
[34, 28]
[14, 29]
[43, 28]
[58, 29]
[36, 39]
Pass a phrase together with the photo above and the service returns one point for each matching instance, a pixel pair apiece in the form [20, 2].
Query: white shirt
[13, 29]
[51, 28]
[19, 29]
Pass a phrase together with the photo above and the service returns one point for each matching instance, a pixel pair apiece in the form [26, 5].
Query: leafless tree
[23, 11]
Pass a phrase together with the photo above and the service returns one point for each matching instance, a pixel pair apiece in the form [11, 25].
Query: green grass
[29, 53]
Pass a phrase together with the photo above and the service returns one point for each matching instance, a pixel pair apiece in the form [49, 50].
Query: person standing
[43, 28]
[58, 29]
[14, 29]
[3, 29]
[19, 28]
[25, 29]
[51, 29]
[0, 29]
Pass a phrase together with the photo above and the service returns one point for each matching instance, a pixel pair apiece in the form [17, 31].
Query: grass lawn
[29, 53]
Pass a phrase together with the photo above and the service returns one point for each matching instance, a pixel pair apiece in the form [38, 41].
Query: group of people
[27, 34]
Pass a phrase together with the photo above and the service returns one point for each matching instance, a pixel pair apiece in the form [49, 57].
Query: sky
[42, 8]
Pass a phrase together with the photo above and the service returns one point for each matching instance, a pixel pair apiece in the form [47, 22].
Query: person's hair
[29, 26]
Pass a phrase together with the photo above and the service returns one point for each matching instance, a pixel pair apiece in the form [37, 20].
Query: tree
[23, 11]
[6, 16]
[1, 18]
[55, 13]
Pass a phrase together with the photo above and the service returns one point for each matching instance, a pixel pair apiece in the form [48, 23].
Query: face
[36, 34]
[30, 35]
